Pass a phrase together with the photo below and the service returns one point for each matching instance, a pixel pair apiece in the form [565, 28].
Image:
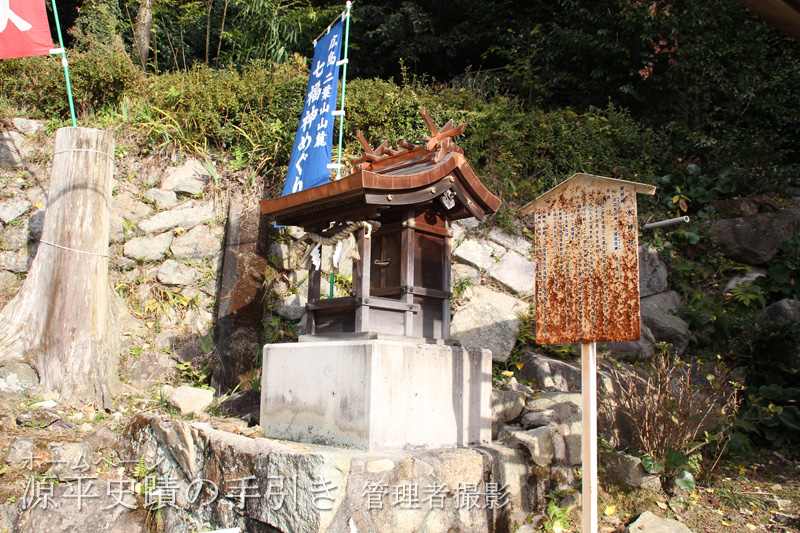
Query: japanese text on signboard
[587, 267]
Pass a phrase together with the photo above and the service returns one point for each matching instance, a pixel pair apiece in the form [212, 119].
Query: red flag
[24, 30]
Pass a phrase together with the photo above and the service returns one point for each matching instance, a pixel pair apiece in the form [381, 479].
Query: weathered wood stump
[62, 322]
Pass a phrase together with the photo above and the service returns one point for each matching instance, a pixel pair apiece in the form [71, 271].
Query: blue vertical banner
[313, 144]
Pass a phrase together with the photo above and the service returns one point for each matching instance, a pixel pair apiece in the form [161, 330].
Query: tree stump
[62, 322]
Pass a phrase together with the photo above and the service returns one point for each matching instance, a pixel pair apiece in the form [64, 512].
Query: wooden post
[362, 281]
[62, 322]
[408, 252]
[589, 443]
[314, 287]
[446, 277]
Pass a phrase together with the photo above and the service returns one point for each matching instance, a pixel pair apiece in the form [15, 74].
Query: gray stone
[13, 208]
[130, 208]
[189, 178]
[150, 369]
[16, 261]
[515, 273]
[117, 230]
[294, 232]
[104, 509]
[280, 252]
[667, 303]
[167, 339]
[345, 266]
[20, 451]
[640, 350]
[14, 237]
[150, 248]
[174, 272]
[507, 405]
[101, 438]
[538, 442]
[459, 233]
[191, 451]
[652, 272]
[549, 374]
[567, 412]
[470, 224]
[36, 195]
[36, 224]
[464, 274]
[231, 425]
[40, 418]
[786, 309]
[514, 243]
[245, 405]
[561, 413]
[292, 307]
[162, 198]
[71, 460]
[490, 321]
[27, 126]
[753, 240]
[8, 279]
[650, 523]
[527, 486]
[185, 217]
[190, 400]
[197, 244]
[752, 274]
[628, 469]
[667, 328]
[10, 145]
[18, 377]
[479, 253]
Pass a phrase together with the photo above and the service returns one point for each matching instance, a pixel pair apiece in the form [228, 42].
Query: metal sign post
[587, 285]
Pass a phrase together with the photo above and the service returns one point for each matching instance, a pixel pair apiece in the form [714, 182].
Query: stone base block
[377, 394]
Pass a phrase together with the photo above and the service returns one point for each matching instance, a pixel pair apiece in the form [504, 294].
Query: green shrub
[101, 77]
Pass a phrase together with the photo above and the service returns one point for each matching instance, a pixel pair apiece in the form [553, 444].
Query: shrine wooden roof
[416, 175]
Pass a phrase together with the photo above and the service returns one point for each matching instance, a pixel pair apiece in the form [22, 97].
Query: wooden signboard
[587, 265]
[587, 286]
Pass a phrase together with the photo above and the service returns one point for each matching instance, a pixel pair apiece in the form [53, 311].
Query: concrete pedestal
[377, 394]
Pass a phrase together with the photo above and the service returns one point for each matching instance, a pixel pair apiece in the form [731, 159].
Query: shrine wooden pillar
[407, 268]
[446, 278]
[361, 281]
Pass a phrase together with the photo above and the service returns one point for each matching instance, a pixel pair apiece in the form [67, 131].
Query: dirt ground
[760, 492]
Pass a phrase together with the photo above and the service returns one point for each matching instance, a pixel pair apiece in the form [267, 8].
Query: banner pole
[589, 442]
[65, 64]
[344, 84]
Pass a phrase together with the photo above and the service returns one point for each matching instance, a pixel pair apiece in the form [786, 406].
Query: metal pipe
[668, 222]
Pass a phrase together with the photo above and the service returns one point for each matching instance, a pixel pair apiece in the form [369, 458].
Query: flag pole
[65, 64]
[344, 84]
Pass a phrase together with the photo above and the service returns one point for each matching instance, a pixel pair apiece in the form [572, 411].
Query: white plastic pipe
[668, 222]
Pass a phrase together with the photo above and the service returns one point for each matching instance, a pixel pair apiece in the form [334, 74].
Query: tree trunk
[144, 25]
[209, 5]
[61, 322]
[222, 28]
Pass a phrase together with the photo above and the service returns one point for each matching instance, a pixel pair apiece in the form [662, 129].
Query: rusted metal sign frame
[587, 264]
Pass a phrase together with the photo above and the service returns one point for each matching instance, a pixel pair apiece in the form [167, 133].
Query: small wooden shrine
[401, 204]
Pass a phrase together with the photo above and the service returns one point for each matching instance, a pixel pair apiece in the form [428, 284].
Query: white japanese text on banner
[24, 30]
[313, 146]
